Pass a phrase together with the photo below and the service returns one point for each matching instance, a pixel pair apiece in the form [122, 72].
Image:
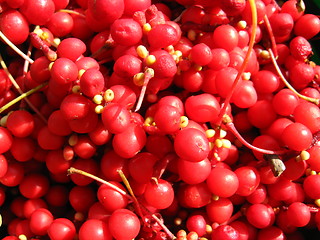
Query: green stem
[72, 12]
[134, 199]
[22, 96]
[73, 170]
[275, 64]
[16, 85]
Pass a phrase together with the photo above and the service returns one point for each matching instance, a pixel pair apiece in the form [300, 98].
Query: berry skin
[20, 123]
[13, 20]
[202, 108]
[191, 144]
[71, 48]
[40, 221]
[6, 140]
[159, 194]
[225, 232]
[38, 12]
[162, 36]
[106, 11]
[223, 182]
[91, 83]
[124, 224]
[226, 37]
[307, 26]
[126, 32]
[62, 228]
[201, 54]
[94, 228]
[297, 136]
[137, 114]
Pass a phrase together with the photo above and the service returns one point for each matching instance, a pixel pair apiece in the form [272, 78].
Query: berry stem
[72, 12]
[15, 48]
[164, 227]
[49, 53]
[73, 170]
[134, 199]
[276, 4]
[22, 96]
[22, 87]
[106, 60]
[245, 61]
[148, 74]
[109, 43]
[26, 63]
[275, 64]
[234, 217]
[271, 36]
[16, 85]
[230, 126]
[161, 165]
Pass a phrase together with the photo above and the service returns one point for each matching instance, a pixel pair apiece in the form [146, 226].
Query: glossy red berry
[307, 26]
[64, 71]
[62, 228]
[223, 182]
[226, 37]
[131, 141]
[159, 194]
[191, 144]
[106, 11]
[297, 136]
[34, 185]
[71, 48]
[126, 31]
[124, 224]
[225, 232]
[20, 123]
[202, 108]
[38, 12]
[60, 24]
[94, 228]
[169, 36]
[11, 22]
[40, 221]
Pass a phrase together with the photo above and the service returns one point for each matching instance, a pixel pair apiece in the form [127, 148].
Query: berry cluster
[158, 120]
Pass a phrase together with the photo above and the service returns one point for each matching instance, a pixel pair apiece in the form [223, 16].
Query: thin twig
[284, 80]
[135, 200]
[22, 96]
[73, 170]
[15, 48]
[16, 85]
[245, 61]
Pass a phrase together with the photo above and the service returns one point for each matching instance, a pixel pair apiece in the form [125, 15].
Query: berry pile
[159, 120]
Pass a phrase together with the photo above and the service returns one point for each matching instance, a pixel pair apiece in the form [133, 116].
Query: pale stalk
[15, 48]
[131, 197]
[27, 63]
[135, 200]
[73, 170]
[288, 85]
[72, 12]
[16, 85]
[230, 126]
[164, 227]
[22, 96]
